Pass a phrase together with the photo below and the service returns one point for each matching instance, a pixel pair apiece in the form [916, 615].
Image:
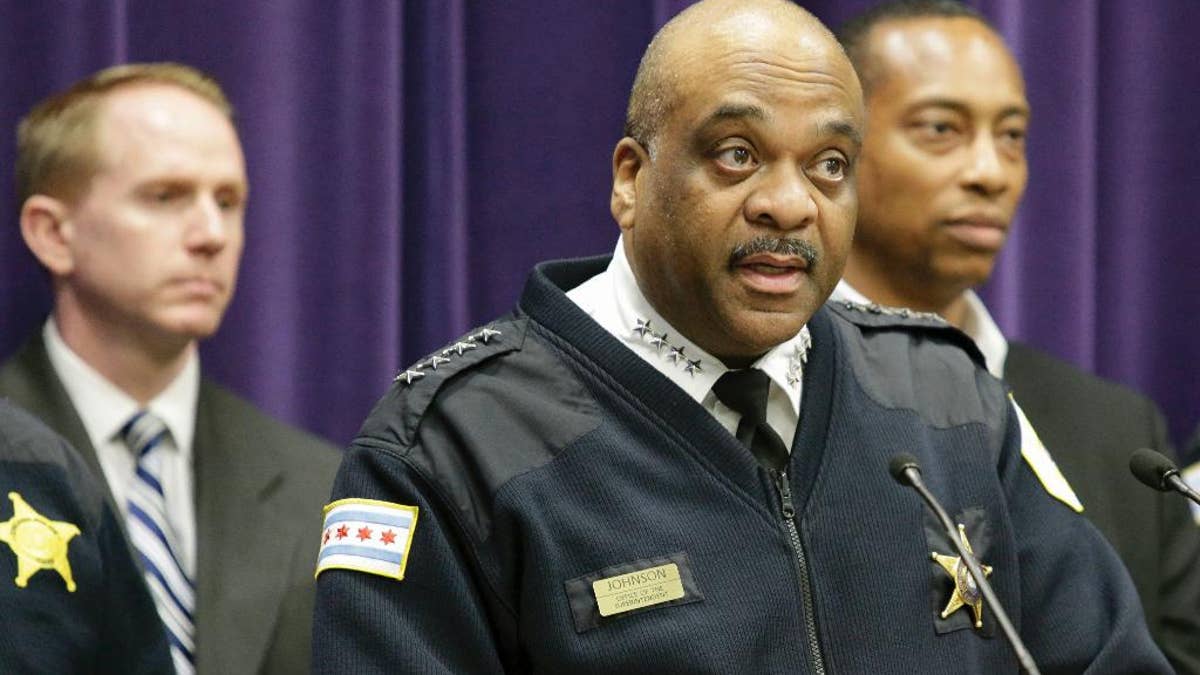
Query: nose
[208, 226]
[985, 173]
[783, 199]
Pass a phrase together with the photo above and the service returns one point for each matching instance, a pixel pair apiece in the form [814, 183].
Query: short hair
[853, 33]
[57, 153]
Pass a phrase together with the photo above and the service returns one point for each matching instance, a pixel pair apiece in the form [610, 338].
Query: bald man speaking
[674, 459]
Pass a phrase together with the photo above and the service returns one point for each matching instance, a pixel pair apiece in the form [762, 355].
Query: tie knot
[745, 392]
[143, 432]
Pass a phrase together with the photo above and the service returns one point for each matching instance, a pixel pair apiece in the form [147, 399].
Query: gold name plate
[635, 590]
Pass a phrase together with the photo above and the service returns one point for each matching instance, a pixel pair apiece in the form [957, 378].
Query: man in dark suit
[941, 174]
[133, 186]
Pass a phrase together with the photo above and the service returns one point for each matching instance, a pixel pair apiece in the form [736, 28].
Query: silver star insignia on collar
[486, 334]
[693, 367]
[435, 361]
[643, 327]
[409, 376]
[657, 341]
[676, 354]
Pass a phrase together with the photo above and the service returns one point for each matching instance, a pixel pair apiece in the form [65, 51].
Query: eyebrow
[843, 128]
[1022, 110]
[731, 111]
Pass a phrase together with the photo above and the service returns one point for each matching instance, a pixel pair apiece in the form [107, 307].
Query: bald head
[677, 50]
[734, 188]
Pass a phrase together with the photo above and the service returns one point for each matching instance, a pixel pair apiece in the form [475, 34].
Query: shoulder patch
[1039, 459]
[367, 535]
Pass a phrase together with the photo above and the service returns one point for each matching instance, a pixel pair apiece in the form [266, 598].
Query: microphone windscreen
[1151, 467]
[899, 466]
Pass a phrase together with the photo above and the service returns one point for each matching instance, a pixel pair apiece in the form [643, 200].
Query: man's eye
[738, 157]
[831, 169]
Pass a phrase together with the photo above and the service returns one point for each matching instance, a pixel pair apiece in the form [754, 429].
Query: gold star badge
[966, 591]
[38, 542]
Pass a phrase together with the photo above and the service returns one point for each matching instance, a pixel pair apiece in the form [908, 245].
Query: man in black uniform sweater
[71, 598]
[943, 170]
[674, 460]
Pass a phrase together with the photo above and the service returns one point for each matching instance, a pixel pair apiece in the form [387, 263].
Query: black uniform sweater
[579, 513]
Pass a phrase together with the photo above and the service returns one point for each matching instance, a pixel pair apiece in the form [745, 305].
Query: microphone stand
[913, 476]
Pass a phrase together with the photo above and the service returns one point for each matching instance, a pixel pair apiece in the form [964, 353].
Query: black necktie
[745, 392]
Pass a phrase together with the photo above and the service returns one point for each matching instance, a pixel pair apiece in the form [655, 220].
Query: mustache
[776, 245]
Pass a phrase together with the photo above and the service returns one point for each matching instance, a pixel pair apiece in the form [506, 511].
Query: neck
[140, 367]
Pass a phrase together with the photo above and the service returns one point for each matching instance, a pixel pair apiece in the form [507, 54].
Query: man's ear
[629, 158]
[48, 233]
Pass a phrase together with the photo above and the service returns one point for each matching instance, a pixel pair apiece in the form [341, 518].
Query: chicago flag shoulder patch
[367, 535]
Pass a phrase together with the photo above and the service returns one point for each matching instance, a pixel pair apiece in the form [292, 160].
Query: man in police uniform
[71, 598]
[942, 172]
[599, 483]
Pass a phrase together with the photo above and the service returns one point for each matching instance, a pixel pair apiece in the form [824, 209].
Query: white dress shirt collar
[614, 300]
[104, 408]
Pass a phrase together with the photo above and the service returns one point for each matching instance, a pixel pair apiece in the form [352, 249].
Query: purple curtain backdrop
[410, 161]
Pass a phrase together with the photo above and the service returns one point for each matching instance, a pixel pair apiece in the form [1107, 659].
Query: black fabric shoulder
[395, 418]
[915, 361]
[874, 316]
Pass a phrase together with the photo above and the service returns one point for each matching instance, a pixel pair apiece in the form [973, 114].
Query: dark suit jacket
[260, 488]
[1091, 426]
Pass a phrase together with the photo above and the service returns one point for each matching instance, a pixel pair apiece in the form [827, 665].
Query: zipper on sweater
[789, 526]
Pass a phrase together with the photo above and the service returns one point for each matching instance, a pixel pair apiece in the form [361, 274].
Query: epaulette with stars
[462, 353]
[417, 385]
[875, 316]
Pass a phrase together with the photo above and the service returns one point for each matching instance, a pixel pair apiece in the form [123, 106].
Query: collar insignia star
[676, 355]
[486, 334]
[435, 361]
[643, 327]
[38, 542]
[799, 357]
[966, 591]
[409, 376]
[657, 341]
[693, 367]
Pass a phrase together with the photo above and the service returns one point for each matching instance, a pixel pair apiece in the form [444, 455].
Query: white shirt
[104, 409]
[978, 325]
[614, 300]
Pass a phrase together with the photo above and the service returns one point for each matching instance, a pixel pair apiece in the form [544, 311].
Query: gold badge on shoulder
[966, 591]
[38, 542]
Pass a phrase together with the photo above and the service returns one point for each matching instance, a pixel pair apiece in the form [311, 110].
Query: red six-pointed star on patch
[325, 539]
[364, 533]
[343, 532]
[388, 537]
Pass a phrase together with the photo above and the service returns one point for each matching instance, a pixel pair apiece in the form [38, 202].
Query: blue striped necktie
[155, 541]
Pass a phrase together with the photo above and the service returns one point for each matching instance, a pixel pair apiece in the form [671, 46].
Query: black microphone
[1160, 473]
[907, 472]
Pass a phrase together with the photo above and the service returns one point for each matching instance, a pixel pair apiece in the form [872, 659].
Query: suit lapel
[241, 567]
[30, 381]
